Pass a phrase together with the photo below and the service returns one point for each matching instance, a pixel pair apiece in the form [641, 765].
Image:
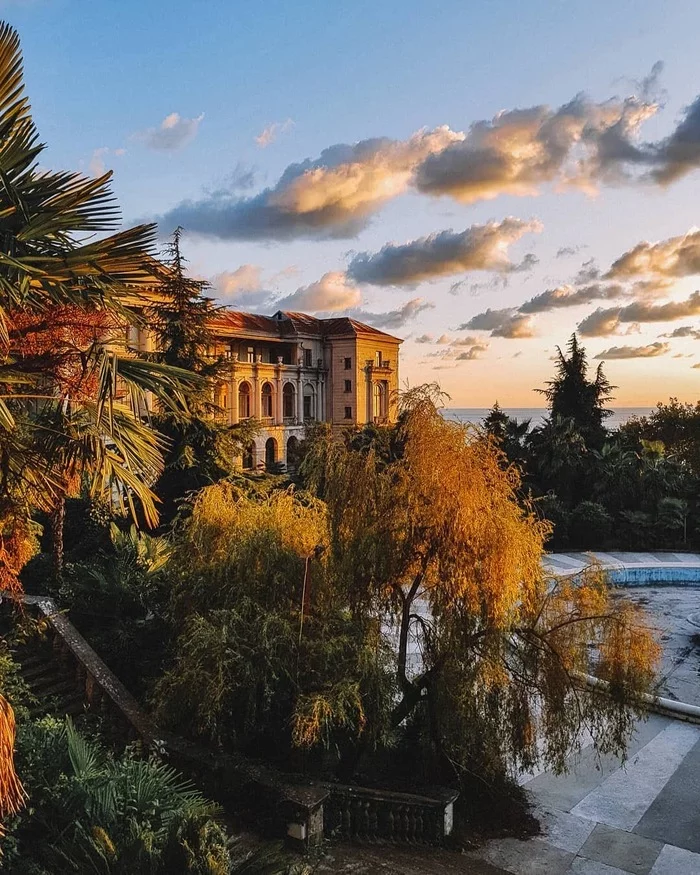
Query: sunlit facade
[290, 370]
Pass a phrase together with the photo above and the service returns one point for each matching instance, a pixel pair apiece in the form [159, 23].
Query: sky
[479, 179]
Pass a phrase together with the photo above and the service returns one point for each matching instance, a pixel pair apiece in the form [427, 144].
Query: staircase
[54, 687]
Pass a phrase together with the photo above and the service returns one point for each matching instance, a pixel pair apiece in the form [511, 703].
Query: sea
[537, 414]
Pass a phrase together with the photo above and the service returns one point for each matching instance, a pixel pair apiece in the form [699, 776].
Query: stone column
[279, 412]
[300, 399]
[257, 403]
[370, 396]
[233, 403]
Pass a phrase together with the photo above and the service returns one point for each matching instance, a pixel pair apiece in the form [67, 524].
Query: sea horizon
[536, 415]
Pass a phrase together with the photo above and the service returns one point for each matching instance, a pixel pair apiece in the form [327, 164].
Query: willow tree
[489, 655]
[266, 654]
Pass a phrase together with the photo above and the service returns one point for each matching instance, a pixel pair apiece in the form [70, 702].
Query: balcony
[382, 367]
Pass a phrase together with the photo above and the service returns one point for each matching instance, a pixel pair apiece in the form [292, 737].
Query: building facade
[290, 370]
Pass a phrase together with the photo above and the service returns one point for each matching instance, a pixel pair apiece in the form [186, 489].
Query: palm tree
[558, 449]
[70, 405]
[615, 475]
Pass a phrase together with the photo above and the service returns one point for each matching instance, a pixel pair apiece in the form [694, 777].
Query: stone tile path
[606, 819]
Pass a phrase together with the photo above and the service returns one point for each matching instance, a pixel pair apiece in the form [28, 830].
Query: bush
[117, 602]
[635, 530]
[92, 812]
[552, 509]
[590, 526]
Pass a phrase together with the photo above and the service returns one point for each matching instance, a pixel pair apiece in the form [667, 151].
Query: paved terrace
[643, 817]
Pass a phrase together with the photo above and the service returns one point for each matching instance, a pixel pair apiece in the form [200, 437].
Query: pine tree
[202, 449]
[572, 395]
[180, 317]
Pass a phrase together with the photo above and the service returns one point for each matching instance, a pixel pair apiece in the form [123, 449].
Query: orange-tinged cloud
[444, 253]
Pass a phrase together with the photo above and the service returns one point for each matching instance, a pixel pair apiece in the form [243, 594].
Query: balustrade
[362, 814]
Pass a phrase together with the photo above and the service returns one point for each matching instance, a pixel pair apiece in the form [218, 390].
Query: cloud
[600, 323]
[501, 323]
[678, 154]
[461, 350]
[466, 341]
[331, 294]
[269, 134]
[96, 164]
[241, 286]
[479, 247]
[566, 251]
[516, 327]
[634, 352]
[474, 352]
[581, 144]
[173, 133]
[424, 338]
[605, 322]
[96, 167]
[684, 331]
[672, 258]
[697, 366]
[568, 296]
[649, 88]
[519, 150]
[587, 273]
[332, 195]
[393, 318]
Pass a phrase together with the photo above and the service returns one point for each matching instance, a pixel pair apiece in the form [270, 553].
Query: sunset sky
[479, 178]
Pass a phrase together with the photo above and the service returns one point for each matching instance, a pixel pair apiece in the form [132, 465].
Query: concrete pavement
[604, 818]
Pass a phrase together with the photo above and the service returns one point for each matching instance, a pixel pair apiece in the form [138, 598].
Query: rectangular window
[308, 361]
[348, 412]
[348, 385]
[251, 355]
[348, 364]
[378, 358]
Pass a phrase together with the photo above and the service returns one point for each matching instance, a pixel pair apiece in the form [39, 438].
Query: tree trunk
[57, 522]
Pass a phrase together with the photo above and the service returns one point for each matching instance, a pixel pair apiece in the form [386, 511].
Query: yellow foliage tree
[489, 654]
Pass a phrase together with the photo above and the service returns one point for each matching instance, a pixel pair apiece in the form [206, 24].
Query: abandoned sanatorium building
[291, 369]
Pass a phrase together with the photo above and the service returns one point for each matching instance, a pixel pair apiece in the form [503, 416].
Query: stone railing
[361, 814]
[102, 690]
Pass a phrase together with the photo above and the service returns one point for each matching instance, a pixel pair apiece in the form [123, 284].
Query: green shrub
[90, 811]
[590, 526]
[553, 509]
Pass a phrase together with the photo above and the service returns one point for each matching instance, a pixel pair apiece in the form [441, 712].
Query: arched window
[289, 401]
[309, 403]
[270, 453]
[292, 453]
[249, 456]
[244, 401]
[266, 400]
[379, 401]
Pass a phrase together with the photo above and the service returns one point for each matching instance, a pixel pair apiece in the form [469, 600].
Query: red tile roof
[239, 321]
[287, 323]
